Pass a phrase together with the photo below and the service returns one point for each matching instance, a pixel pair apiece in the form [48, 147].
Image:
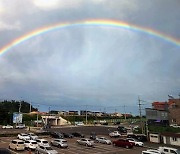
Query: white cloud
[6, 26]
[54, 4]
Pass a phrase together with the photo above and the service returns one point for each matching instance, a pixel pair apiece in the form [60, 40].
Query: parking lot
[73, 146]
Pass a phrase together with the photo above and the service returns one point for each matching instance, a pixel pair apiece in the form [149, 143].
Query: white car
[168, 150]
[7, 127]
[103, 140]
[175, 125]
[30, 144]
[23, 136]
[114, 134]
[20, 126]
[43, 142]
[136, 142]
[45, 149]
[17, 145]
[151, 151]
[86, 142]
[61, 143]
[32, 136]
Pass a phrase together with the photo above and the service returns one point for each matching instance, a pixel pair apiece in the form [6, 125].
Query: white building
[171, 138]
[154, 137]
[54, 120]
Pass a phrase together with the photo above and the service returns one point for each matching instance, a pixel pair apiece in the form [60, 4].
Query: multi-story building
[160, 105]
[157, 117]
[174, 111]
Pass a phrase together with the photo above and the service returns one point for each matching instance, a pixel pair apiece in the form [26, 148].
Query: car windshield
[49, 148]
[64, 141]
[34, 142]
[20, 142]
[45, 142]
[24, 134]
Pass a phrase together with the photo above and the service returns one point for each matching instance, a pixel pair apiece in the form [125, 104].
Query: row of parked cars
[18, 126]
[162, 150]
[32, 142]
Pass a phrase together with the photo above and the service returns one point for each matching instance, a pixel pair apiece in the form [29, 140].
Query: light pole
[86, 114]
[37, 115]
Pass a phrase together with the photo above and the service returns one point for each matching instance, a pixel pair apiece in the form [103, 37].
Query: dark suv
[122, 129]
[56, 135]
[77, 134]
[93, 136]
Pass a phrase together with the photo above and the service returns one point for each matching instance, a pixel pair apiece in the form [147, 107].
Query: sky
[93, 67]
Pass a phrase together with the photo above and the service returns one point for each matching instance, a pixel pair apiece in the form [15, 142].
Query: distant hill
[7, 108]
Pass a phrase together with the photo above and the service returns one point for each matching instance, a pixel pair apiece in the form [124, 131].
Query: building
[171, 138]
[54, 120]
[174, 111]
[84, 112]
[73, 113]
[63, 113]
[116, 114]
[157, 117]
[160, 105]
[154, 138]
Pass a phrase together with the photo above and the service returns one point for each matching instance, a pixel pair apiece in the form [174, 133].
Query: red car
[123, 143]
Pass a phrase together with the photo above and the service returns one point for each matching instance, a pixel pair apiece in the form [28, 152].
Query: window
[166, 150]
[174, 139]
[14, 142]
[172, 151]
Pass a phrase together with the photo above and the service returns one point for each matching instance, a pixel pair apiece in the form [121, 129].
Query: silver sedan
[103, 140]
[86, 142]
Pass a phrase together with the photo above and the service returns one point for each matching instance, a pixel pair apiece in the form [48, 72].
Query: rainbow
[98, 22]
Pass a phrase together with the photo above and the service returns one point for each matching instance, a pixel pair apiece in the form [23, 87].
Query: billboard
[17, 117]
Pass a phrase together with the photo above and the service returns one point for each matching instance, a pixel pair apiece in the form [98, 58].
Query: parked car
[17, 145]
[23, 136]
[93, 136]
[86, 142]
[103, 140]
[43, 142]
[32, 136]
[135, 141]
[45, 149]
[30, 144]
[123, 143]
[61, 143]
[151, 151]
[56, 135]
[7, 127]
[140, 137]
[76, 134]
[20, 126]
[114, 134]
[122, 129]
[175, 125]
[168, 150]
[67, 135]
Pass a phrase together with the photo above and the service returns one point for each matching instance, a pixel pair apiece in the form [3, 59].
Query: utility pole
[140, 114]
[125, 113]
[86, 114]
[30, 108]
[20, 107]
[37, 116]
